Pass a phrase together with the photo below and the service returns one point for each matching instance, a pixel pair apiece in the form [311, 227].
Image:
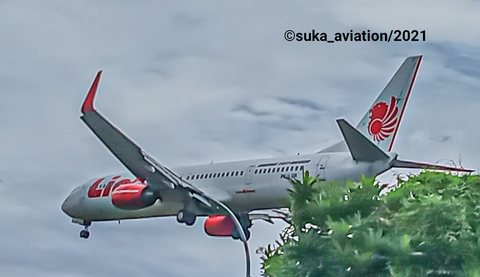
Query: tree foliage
[428, 226]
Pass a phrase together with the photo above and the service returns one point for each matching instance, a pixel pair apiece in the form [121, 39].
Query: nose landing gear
[85, 234]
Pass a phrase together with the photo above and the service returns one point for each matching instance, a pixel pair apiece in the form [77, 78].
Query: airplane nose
[67, 206]
[71, 204]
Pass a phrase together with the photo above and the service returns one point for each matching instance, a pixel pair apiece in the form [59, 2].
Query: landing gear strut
[186, 217]
[85, 234]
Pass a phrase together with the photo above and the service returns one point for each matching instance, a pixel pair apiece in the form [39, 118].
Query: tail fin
[381, 122]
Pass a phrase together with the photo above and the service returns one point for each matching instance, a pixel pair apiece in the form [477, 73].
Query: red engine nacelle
[133, 196]
[219, 226]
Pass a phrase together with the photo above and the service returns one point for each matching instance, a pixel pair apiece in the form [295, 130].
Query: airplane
[232, 194]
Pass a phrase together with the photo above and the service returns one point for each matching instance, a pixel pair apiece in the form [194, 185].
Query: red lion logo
[383, 119]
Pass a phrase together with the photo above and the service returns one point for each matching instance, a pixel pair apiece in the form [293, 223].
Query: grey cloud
[462, 59]
[444, 138]
[302, 103]
[465, 65]
[286, 125]
[249, 110]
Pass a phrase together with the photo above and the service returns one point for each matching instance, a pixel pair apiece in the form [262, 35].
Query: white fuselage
[244, 186]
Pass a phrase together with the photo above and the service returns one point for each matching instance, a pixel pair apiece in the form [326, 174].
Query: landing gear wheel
[181, 216]
[190, 220]
[186, 217]
[84, 234]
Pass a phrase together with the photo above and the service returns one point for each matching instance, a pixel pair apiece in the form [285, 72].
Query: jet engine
[133, 196]
[219, 226]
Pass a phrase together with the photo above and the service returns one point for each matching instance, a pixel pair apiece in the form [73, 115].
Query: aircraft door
[322, 167]
[249, 175]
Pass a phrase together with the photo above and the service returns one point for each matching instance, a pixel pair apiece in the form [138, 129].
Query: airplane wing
[131, 155]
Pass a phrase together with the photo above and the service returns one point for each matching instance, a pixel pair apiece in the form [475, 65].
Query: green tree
[428, 226]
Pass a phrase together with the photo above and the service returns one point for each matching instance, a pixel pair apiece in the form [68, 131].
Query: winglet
[361, 148]
[88, 103]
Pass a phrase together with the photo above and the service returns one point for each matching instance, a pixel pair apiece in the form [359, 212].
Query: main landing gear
[186, 217]
[246, 225]
[85, 234]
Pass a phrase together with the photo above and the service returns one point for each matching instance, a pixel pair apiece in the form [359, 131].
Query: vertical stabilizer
[381, 122]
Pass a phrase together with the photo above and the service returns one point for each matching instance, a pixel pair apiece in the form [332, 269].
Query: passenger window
[223, 174]
[256, 171]
[296, 168]
[301, 168]
[291, 168]
[241, 173]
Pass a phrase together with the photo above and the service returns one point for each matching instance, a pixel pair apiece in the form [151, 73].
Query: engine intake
[133, 196]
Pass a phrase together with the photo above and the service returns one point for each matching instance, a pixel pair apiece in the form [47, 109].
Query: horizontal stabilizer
[361, 148]
[408, 164]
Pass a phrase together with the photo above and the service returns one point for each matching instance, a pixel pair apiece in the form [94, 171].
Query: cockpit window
[75, 190]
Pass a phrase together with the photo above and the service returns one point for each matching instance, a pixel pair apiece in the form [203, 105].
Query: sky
[194, 82]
